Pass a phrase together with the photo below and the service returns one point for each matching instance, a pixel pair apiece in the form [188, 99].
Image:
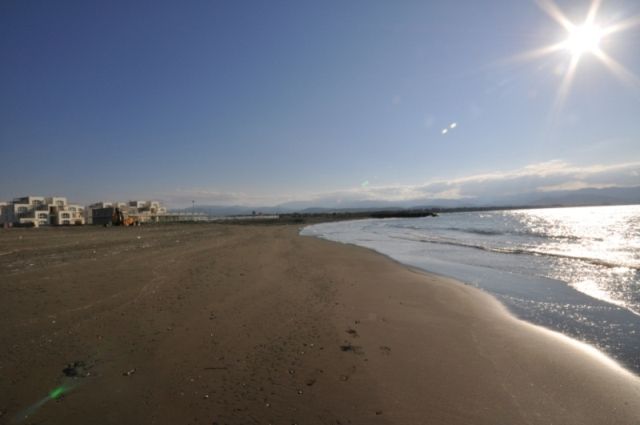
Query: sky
[260, 103]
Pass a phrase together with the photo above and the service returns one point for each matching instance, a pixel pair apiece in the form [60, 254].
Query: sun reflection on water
[598, 254]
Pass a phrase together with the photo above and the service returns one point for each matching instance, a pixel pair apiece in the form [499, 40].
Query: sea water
[573, 270]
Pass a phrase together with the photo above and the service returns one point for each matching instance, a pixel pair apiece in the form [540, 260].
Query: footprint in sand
[347, 347]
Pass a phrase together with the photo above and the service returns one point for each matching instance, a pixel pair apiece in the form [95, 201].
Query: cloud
[183, 197]
[539, 177]
[573, 185]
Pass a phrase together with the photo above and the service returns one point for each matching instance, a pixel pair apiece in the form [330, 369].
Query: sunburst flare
[583, 39]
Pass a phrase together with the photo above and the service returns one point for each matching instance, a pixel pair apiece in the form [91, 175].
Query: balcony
[25, 214]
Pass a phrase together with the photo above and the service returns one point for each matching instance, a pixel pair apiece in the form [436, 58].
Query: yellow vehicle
[119, 219]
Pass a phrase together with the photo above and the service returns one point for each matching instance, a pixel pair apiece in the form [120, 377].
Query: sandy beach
[239, 324]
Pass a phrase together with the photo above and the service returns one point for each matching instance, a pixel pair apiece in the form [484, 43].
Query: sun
[584, 39]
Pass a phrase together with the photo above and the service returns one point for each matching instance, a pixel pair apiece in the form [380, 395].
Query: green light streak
[56, 393]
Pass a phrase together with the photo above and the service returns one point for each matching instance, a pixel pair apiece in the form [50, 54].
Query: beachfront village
[43, 211]
[37, 211]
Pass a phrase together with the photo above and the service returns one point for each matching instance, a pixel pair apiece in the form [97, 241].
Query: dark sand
[213, 324]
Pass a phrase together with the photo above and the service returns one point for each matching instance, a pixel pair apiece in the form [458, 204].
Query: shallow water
[573, 270]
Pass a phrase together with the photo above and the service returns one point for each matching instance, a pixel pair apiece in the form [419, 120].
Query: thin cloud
[539, 177]
[182, 197]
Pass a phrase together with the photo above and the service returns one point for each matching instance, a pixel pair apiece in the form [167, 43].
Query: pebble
[129, 372]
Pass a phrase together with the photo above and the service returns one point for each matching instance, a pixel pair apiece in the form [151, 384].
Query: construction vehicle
[118, 218]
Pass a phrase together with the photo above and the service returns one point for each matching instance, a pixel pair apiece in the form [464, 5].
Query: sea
[572, 270]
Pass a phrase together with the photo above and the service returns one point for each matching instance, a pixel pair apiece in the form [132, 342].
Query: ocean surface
[573, 270]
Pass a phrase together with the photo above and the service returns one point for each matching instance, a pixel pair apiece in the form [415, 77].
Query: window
[66, 215]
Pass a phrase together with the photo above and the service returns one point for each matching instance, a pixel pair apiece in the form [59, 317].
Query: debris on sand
[129, 372]
[352, 332]
[352, 348]
[77, 369]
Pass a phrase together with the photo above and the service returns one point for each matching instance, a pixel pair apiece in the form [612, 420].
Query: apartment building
[35, 211]
[140, 212]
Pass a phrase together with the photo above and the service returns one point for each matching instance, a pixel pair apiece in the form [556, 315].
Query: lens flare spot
[55, 393]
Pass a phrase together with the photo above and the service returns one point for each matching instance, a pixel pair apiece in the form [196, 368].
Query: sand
[223, 324]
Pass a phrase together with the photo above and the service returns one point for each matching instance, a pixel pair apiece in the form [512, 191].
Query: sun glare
[583, 39]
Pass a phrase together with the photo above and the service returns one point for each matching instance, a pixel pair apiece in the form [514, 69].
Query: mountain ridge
[561, 198]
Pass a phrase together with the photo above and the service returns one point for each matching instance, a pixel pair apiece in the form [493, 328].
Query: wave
[482, 231]
[519, 251]
[495, 232]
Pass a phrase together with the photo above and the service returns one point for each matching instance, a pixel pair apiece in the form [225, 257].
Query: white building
[38, 211]
[139, 211]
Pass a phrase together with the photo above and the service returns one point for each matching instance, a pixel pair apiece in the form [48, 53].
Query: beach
[240, 324]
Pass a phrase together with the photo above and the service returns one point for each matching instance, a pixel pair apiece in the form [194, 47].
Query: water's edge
[541, 290]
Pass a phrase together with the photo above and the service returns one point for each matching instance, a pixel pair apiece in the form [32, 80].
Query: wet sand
[223, 324]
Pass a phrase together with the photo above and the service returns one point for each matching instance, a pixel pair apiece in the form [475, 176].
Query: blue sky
[252, 102]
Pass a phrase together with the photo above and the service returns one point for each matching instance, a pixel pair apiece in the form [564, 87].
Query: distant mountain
[328, 205]
[226, 210]
[609, 196]
[581, 197]
[331, 204]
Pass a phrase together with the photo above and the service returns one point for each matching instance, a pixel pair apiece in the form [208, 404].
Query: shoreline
[568, 357]
[236, 324]
[526, 291]
[589, 349]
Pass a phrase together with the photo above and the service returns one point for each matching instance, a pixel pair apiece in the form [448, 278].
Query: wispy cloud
[184, 196]
[539, 177]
